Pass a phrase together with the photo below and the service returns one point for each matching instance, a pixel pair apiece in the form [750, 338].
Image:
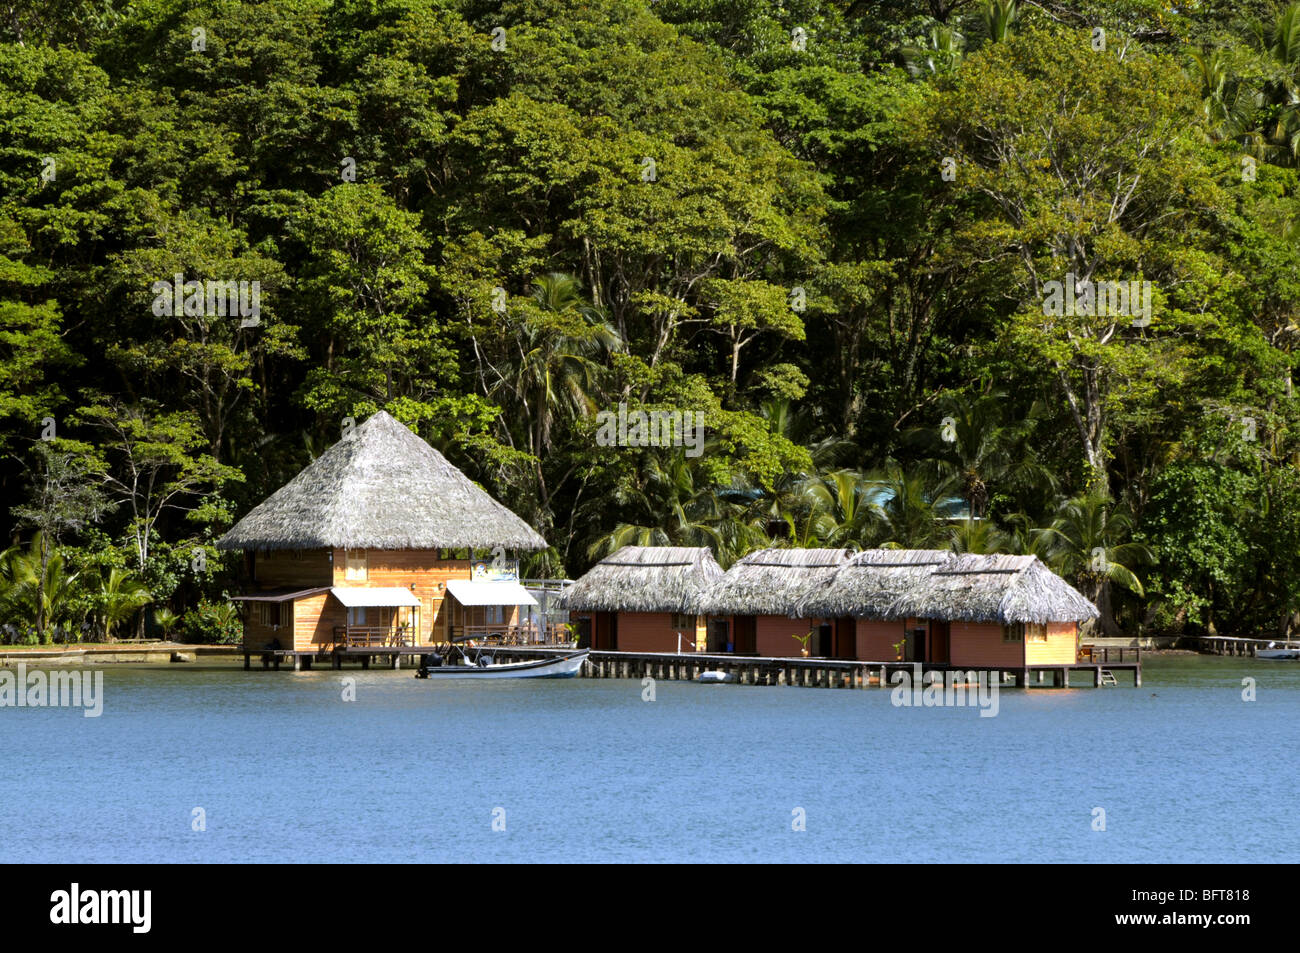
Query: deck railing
[1101, 654]
[554, 633]
[350, 636]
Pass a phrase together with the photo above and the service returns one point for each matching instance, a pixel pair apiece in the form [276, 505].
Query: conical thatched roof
[993, 588]
[870, 583]
[771, 581]
[381, 488]
[645, 579]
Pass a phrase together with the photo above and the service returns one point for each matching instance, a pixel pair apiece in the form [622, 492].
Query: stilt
[297, 662]
[247, 661]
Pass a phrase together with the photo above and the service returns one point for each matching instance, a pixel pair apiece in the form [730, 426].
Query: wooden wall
[774, 636]
[314, 619]
[401, 568]
[283, 568]
[876, 639]
[1061, 647]
[980, 643]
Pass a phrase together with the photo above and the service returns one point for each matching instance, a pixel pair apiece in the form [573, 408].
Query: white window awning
[385, 596]
[495, 593]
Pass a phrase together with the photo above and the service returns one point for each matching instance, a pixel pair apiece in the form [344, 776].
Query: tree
[1089, 541]
[64, 497]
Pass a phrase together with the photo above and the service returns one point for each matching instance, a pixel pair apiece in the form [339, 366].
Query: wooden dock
[1229, 645]
[745, 670]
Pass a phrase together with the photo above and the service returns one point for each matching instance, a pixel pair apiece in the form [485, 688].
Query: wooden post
[247, 661]
[297, 662]
[1096, 676]
[1065, 677]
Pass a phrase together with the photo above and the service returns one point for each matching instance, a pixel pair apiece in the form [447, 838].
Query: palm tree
[1278, 139]
[41, 587]
[119, 595]
[979, 450]
[999, 16]
[840, 507]
[940, 52]
[166, 620]
[1227, 104]
[977, 536]
[677, 505]
[909, 516]
[1088, 541]
[557, 345]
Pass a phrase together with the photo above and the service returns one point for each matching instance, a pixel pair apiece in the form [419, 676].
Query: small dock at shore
[745, 670]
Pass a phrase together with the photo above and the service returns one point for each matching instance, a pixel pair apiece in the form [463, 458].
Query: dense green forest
[985, 276]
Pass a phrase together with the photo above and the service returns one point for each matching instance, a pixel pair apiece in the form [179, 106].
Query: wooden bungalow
[940, 607]
[645, 599]
[754, 603]
[374, 543]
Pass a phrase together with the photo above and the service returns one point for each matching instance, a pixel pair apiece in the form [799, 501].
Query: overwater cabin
[995, 610]
[380, 542]
[754, 603]
[882, 605]
[645, 599]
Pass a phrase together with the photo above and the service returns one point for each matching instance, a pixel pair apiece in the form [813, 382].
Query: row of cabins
[374, 544]
[879, 605]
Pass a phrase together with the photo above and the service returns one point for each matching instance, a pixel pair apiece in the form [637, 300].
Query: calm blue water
[587, 771]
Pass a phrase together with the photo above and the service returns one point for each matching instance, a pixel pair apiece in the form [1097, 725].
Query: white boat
[562, 666]
[1278, 655]
[715, 677]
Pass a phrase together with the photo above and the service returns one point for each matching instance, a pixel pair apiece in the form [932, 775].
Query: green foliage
[212, 622]
[736, 209]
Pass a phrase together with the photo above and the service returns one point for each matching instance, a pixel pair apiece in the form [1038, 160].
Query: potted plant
[803, 641]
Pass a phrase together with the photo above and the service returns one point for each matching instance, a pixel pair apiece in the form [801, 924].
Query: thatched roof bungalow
[644, 599]
[1000, 588]
[759, 594]
[381, 487]
[943, 607]
[374, 541]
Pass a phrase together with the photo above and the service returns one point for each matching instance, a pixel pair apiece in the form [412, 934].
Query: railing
[554, 633]
[349, 636]
[1101, 654]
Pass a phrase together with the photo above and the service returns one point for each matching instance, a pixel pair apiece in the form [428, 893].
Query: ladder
[1108, 677]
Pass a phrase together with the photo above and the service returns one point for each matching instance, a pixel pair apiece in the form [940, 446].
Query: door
[939, 642]
[604, 632]
[745, 635]
[846, 638]
[914, 651]
[824, 639]
[717, 636]
[584, 632]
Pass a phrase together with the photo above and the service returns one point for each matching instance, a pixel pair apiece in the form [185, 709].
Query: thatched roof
[870, 583]
[381, 488]
[993, 588]
[771, 581]
[645, 579]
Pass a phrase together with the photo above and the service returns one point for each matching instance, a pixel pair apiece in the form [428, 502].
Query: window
[1011, 633]
[355, 571]
[268, 614]
[686, 622]
[1035, 632]
[357, 615]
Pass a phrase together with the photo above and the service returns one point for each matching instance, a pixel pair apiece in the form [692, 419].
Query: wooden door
[745, 635]
[940, 650]
[846, 638]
